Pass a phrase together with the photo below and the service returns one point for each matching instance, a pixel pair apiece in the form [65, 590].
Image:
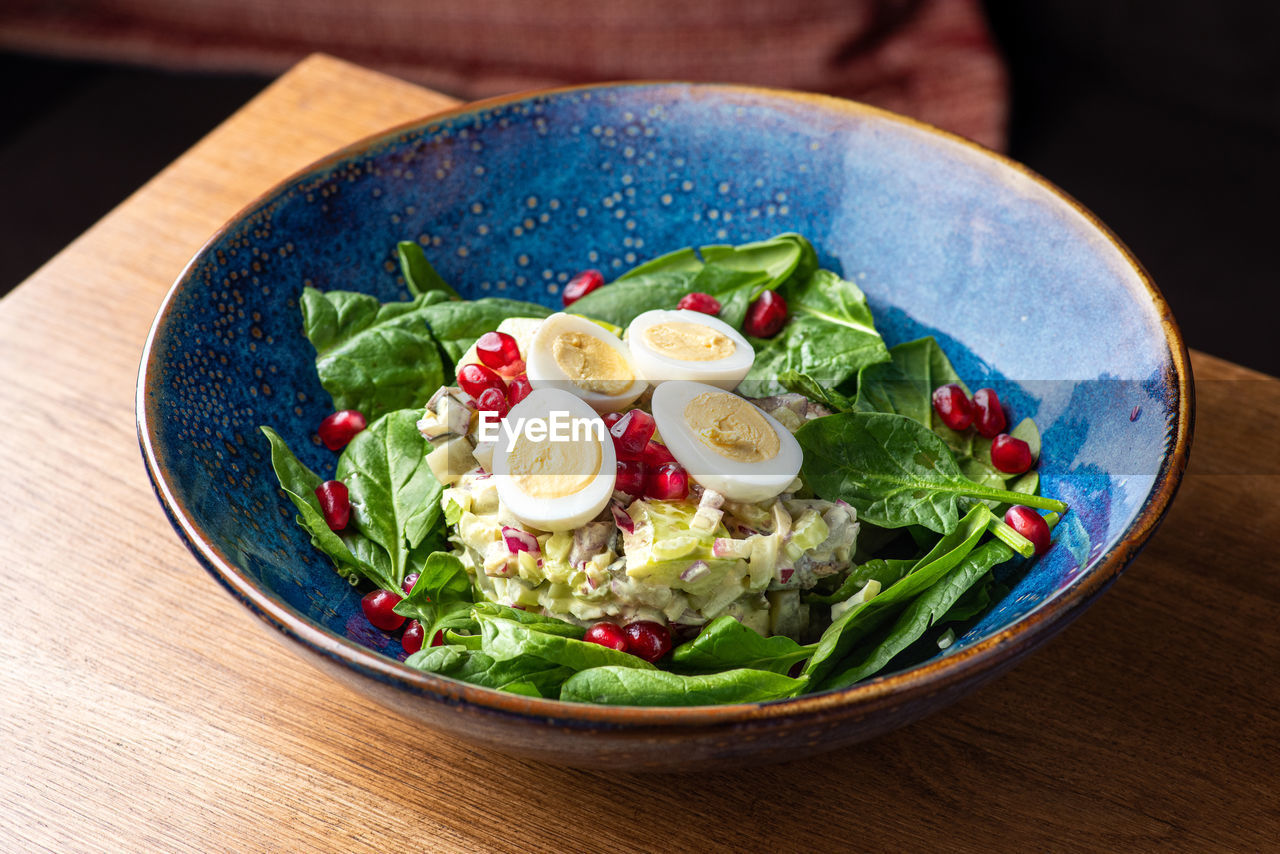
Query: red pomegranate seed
[438, 640]
[655, 454]
[631, 433]
[1029, 524]
[335, 504]
[497, 349]
[705, 303]
[647, 639]
[581, 285]
[607, 634]
[988, 414]
[1010, 455]
[953, 406]
[668, 482]
[409, 580]
[340, 428]
[611, 418]
[518, 389]
[493, 400]
[630, 479]
[378, 607]
[411, 640]
[766, 315]
[475, 378]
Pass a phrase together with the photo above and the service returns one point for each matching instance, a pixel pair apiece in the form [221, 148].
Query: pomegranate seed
[630, 479]
[655, 454]
[493, 400]
[411, 640]
[1010, 455]
[409, 580]
[988, 414]
[340, 428]
[705, 303]
[378, 607]
[335, 504]
[607, 634]
[631, 433]
[581, 285]
[611, 418]
[1029, 524]
[953, 406]
[647, 639]
[497, 349]
[438, 640]
[518, 389]
[668, 482]
[475, 378]
[766, 315]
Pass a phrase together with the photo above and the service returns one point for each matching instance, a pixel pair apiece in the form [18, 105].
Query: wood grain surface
[143, 709]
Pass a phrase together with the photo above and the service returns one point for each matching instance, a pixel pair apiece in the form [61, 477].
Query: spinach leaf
[350, 553]
[893, 470]
[504, 640]
[457, 325]
[905, 384]
[873, 654]
[371, 356]
[457, 662]
[887, 572]
[420, 277]
[830, 335]
[622, 301]
[726, 643]
[626, 686]
[841, 636]
[537, 622]
[804, 384]
[734, 275]
[441, 597]
[395, 499]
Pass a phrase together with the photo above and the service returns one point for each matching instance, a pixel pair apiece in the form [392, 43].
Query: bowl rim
[932, 677]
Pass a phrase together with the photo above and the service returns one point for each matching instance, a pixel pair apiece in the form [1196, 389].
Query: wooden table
[143, 709]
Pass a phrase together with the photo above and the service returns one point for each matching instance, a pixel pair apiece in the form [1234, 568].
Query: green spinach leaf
[504, 640]
[893, 470]
[626, 686]
[887, 571]
[874, 653]
[844, 633]
[441, 597]
[395, 499]
[830, 335]
[537, 622]
[419, 276]
[829, 397]
[726, 643]
[458, 662]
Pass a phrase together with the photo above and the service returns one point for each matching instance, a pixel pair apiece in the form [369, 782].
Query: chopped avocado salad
[709, 481]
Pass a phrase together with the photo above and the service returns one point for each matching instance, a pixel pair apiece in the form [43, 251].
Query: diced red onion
[519, 541]
[696, 570]
[623, 519]
[784, 575]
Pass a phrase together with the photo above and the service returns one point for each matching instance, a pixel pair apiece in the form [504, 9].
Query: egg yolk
[731, 427]
[689, 342]
[591, 364]
[553, 469]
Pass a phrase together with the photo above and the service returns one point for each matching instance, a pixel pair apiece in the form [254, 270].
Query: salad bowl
[1027, 292]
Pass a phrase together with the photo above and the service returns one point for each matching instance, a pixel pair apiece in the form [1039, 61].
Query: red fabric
[932, 59]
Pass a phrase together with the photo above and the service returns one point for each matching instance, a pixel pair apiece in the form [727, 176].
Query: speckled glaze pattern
[1024, 289]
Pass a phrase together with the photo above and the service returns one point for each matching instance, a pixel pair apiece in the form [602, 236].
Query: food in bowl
[709, 481]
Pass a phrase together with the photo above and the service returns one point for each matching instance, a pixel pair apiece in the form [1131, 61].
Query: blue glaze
[1024, 293]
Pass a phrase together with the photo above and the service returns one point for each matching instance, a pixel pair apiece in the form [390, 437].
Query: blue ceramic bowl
[1027, 292]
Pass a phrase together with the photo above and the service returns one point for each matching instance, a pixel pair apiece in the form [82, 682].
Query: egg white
[658, 367]
[735, 480]
[565, 512]
[544, 372]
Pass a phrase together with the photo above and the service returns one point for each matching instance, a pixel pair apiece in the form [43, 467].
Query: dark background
[1163, 118]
